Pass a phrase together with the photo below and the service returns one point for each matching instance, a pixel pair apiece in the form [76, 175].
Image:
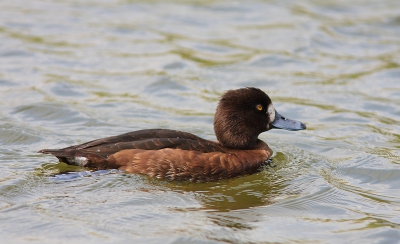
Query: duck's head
[243, 114]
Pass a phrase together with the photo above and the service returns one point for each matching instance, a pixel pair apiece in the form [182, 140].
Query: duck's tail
[76, 157]
[55, 152]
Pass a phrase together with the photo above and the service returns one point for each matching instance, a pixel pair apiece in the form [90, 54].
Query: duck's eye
[259, 107]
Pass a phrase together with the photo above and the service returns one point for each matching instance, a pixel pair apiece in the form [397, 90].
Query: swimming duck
[240, 117]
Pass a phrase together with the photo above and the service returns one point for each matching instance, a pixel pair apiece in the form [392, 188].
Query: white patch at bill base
[271, 112]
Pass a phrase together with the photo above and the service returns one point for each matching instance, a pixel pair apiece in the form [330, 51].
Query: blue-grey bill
[282, 122]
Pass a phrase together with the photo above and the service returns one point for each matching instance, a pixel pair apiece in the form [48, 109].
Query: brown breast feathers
[190, 165]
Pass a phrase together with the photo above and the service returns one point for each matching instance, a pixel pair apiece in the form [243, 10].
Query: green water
[74, 71]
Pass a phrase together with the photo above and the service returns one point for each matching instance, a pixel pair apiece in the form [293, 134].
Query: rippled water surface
[73, 71]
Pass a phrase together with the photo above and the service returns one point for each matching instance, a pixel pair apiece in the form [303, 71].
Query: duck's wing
[138, 136]
[153, 139]
[155, 144]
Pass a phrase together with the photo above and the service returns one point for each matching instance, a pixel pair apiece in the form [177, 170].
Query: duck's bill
[282, 122]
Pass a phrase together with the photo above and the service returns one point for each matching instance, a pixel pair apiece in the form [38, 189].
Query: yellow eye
[259, 107]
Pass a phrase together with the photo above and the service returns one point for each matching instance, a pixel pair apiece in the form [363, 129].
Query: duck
[241, 116]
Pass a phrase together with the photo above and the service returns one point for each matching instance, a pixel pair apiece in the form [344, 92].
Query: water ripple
[73, 71]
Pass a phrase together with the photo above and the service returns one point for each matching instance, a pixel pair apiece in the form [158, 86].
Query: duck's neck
[237, 141]
[234, 135]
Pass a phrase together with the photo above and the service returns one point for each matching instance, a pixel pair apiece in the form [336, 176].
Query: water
[73, 71]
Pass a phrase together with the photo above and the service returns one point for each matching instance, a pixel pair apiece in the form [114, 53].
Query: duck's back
[152, 139]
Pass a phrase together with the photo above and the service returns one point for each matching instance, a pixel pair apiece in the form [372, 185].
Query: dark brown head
[243, 114]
